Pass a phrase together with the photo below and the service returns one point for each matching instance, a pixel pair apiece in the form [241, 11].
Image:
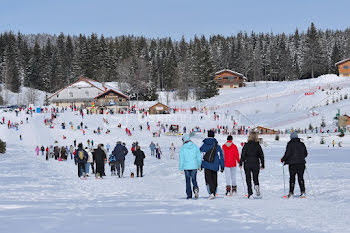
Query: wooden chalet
[159, 108]
[344, 67]
[263, 130]
[229, 79]
[112, 101]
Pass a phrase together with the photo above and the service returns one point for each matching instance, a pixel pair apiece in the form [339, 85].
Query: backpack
[112, 158]
[210, 154]
[81, 155]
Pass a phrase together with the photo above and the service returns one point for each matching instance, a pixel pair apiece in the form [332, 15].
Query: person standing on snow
[172, 151]
[295, 157]
[89, 161]
[71, 150]
[37, 150]
[152, 146]
[80, 158]
[139, 157]
[42, 149]
[252, 156]
[158, 151]
[231, 156]
[213, 159]
[190, 160]
[99, 157]
[120, 151]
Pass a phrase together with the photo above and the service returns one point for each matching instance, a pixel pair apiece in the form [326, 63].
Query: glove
[222, 170]
[281, 160]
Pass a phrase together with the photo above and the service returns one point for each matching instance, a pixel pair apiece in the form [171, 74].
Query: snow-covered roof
[342, 61]
[231, 71]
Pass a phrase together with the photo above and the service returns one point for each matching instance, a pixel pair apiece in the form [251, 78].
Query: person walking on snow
[213, 159]
[253, 159]
[158, 151]
[295, 157]
[231, 156]
[71, 150]
[42, 149]
[37, 150]
[89, 161]
[152, 146]
[190, 160]
[139, 158]
[120, 151]
[80, 158]
[172, 151]
[99, 157]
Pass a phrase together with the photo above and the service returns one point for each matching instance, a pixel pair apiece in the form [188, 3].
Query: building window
[346, 67]
[71, 94]
[57, 96]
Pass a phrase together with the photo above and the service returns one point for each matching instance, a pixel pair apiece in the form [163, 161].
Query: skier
[120, 151]
[172, 151]
[152, 146]
[252, 156]
[139, 157]
[100, 158]
[231, 156]
[80, 158]
[212, 160]
[295, 157]
[37, 150]
[158, 151]
[190, 160]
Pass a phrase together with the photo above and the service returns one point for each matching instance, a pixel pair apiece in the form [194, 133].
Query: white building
[80, 93]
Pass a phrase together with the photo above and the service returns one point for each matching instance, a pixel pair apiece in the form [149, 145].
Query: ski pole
[284, 183]
[245, 193]
[308, 176]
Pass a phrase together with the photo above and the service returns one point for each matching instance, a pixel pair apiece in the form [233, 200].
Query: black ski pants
[139, 170]
[296, 169]
[81, 169]
[249, 170]
[211, 179]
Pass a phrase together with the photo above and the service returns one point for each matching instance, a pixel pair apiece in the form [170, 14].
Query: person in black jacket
[139, 157]
[80, 158]
[100, 158]
[252, 156]
[295, 156]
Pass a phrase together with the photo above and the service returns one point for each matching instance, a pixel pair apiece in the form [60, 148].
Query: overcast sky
[174, 18]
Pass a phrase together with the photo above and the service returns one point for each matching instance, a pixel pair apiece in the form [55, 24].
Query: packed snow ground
[47, 196]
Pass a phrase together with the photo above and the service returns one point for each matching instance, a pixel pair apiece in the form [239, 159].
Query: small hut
[159, 108]
[263, 130]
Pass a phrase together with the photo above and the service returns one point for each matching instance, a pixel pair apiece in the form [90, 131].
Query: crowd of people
[212, 157]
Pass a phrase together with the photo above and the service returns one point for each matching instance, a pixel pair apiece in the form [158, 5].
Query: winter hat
[293, 135]
[186, 138]
[80, 146]
[211, 134]
[229, 138]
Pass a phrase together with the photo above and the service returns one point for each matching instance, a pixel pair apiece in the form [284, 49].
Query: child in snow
[158, 151]
[37, 150]
[172, 151]
[231, 156]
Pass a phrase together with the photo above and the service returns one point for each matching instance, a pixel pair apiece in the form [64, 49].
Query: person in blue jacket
[120, 152]
[189, 161]
[211, 168]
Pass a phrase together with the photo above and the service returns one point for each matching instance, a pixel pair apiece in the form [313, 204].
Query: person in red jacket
[231, 156]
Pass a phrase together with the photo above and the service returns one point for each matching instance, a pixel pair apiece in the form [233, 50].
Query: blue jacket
[152, 146]
[190, 157]
[208, 144]
[120, 151]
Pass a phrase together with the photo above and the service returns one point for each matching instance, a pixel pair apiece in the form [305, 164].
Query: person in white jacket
[172, 151]
[89, 161]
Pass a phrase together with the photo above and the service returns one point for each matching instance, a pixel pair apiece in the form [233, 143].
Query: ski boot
[290, 195]
[257, 190]
[228, 190]
[303, 195]
[196, 192]
[234, 189]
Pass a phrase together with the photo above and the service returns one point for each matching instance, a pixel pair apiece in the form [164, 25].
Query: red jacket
[231, 154]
